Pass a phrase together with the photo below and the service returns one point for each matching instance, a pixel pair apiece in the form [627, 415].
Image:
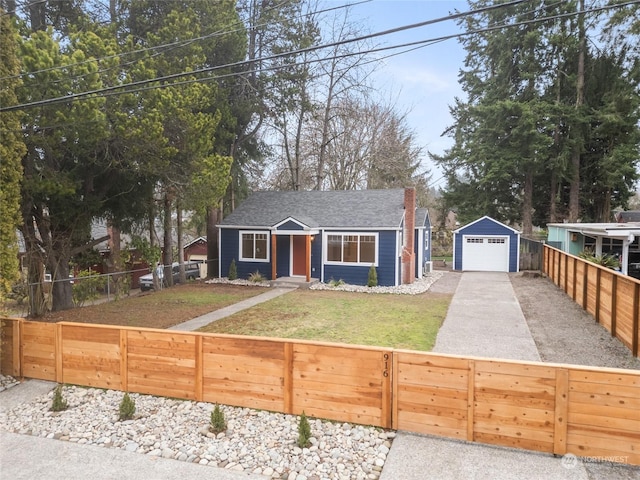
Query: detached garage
[486, 245]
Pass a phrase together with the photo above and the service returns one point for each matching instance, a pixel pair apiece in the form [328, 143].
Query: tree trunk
[553, 193]
[35, 273]
[62, 289]
[574, 192]
[527, 203]
[37, 15]
[183, 276]
[167, 257]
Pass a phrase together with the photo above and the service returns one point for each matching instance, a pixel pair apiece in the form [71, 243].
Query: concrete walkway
[206, 319]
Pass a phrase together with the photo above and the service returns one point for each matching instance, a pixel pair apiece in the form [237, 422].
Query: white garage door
[486, 254]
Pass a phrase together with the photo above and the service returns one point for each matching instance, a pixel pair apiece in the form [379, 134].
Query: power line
[249, 62]
[168, 46]
[114, 90]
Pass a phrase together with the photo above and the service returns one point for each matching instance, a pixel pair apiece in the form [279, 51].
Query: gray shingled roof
[421, 217]
[342, 208]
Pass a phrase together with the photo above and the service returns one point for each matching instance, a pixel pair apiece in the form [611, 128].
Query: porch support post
[274, 257]
[307, 256]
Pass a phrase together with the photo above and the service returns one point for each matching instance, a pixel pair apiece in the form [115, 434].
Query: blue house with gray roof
[325, 235]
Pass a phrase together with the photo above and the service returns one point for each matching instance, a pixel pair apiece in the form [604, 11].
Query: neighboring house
[327, 235]
[486, 245]
[196, 251]
[630, 216]
[620, 239]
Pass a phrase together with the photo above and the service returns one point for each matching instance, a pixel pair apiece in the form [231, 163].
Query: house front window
[352, 248]
[254, 246]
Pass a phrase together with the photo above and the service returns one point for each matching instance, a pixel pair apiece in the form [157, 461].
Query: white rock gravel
[419, 286]
[256, 441]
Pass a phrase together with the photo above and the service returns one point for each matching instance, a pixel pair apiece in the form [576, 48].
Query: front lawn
[396, 321]
[161, 309]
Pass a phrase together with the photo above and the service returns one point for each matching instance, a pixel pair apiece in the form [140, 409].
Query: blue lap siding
[359, 274]
[230, 250]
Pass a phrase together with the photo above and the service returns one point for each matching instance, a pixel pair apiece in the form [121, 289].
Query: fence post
[288, 377]
[598, 275]
[471, 382]
[614, 303]
[573, 279]
[17, 348]
[386, 408]
[636, 321]
[199, 368]
[561, 410]
[124, 367]
[585, 285]
[58, 353]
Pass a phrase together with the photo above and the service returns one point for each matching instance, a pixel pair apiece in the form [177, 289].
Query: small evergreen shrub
[233, 270]
[372, 281]
[127, 407]
[59, 403]
[304, 432]
[217, 423]
[256, 277]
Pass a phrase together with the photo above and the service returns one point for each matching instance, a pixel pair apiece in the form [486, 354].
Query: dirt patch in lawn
[160, 309]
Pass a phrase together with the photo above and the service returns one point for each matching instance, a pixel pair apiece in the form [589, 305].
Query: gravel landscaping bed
[563, 331]
[255, 441]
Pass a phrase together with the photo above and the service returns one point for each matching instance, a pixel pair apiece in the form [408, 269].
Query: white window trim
[325, 248]
[261, 232]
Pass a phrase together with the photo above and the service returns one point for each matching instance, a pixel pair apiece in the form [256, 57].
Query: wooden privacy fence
[612, 298]
[543, 407]
[530, 254]
[272, 374]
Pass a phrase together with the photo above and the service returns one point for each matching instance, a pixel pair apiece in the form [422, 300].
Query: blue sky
[425, 81]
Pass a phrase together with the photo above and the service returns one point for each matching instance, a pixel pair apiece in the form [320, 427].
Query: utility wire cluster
[243, 67]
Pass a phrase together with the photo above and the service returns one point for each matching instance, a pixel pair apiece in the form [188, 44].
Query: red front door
[299, 255]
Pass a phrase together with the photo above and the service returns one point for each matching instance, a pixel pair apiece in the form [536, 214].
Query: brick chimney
[408, 236]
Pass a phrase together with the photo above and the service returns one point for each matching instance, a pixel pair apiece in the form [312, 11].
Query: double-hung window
[254, 246]
[352, 248]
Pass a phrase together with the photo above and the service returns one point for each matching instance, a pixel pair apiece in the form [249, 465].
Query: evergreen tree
[12, 149]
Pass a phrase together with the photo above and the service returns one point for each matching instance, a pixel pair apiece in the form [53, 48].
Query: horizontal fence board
[97, 379]
[511, 368]
[602, 418]
[91, 334]
[507, 398]
[425, 395]
[443, 377]
[597, 409]
[407, 423]
[610, 378]
[514, 441]
[605, 400]
[512, 430]
[543, 388]
[232, 347]
[622, 442]
[247, 399]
